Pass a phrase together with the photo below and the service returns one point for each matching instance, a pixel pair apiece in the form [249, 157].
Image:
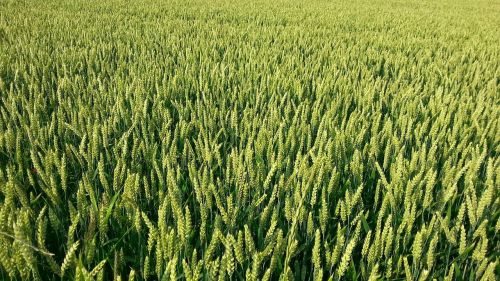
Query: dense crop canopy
[258, 140]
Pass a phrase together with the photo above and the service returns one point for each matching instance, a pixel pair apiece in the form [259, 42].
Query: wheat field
[249, 140]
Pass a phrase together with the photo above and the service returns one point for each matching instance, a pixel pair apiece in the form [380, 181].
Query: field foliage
[257, 140]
